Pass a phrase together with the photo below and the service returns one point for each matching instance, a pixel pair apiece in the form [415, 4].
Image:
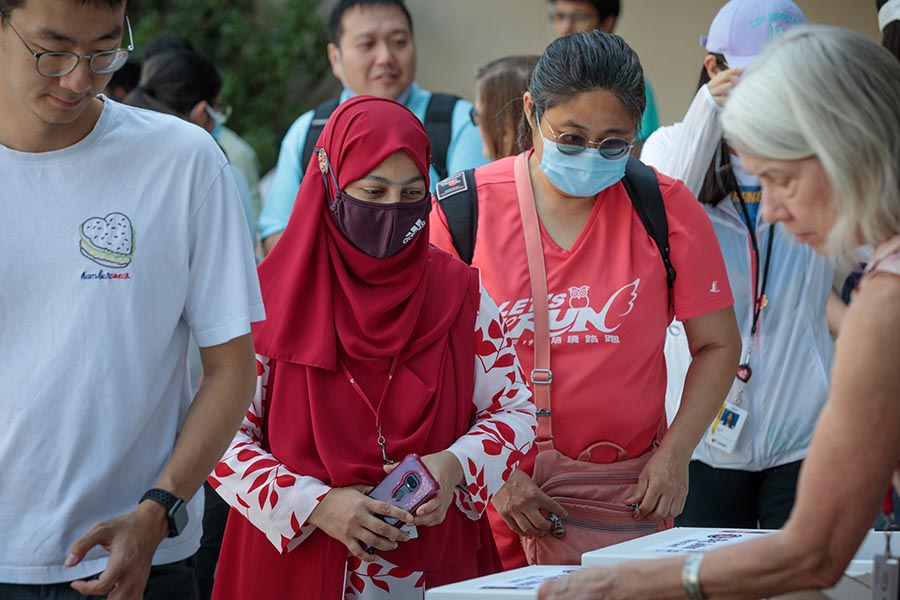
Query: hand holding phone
[408, 486]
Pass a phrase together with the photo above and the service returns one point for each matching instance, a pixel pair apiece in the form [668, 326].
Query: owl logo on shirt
[578, 297]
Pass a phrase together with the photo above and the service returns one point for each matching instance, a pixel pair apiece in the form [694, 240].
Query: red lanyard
[376, 410]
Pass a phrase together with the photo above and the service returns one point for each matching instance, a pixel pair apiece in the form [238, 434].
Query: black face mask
[380, 230]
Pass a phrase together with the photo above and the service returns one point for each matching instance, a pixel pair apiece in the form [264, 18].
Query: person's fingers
[356, 549]
[512, 524]
[648, 504]
[551, 506]
[100, 586]
[385, 530]
[386, 509]
[639, 491]
[376, 540]
[534, 522]
[93, 536]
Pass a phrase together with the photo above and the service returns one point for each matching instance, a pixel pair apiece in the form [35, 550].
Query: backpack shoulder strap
[320, 117]
[438, 126]
[643, 188]
[458, 198]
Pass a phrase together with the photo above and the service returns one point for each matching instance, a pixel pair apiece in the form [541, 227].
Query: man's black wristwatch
[176, 509]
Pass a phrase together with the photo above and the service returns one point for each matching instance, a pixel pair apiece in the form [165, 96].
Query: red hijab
[328, 303]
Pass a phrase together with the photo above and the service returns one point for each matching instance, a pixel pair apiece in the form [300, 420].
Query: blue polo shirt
[464, 152]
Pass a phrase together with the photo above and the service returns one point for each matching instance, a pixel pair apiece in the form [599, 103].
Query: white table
[681, 540]
[522, 584]
[518, 584]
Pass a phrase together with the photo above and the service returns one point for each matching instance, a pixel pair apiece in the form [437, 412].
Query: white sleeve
[275, 499]
[223, 295]
[688, 147]
[504, 426]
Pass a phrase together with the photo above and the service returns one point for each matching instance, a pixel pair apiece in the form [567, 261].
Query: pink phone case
[408, 486]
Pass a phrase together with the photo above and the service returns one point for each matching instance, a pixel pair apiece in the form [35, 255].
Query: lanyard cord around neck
[759, 291]
[376, 410]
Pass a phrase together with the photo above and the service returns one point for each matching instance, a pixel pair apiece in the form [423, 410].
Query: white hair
[828, 93]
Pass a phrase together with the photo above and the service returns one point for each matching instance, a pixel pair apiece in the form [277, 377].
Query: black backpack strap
[320, 117]
[458, 198]
[438, 126]
[643, 188]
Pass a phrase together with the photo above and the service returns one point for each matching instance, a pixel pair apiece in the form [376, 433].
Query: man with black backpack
[372, 52]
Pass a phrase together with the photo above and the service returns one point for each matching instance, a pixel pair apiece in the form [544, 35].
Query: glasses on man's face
[60, 64]
[473, 114]
[579, 19]
[220, 114]
[570, 144]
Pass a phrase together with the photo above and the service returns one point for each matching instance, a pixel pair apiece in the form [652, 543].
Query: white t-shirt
[113, 251]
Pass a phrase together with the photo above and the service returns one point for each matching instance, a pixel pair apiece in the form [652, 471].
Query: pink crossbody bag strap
[541, 375]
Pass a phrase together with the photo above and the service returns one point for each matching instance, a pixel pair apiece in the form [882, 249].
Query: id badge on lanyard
[886, 577]
[725, 430]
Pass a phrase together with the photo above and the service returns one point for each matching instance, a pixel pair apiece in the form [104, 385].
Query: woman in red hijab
[376, 345]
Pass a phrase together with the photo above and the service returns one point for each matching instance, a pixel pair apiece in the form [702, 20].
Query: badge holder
[725, 430]
[886, 577]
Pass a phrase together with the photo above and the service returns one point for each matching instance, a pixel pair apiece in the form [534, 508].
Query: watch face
[178, 519]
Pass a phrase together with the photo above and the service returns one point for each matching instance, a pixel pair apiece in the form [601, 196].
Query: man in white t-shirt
[123, 234]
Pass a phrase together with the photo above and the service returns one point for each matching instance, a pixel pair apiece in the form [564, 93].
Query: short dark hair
[174, 82]
[7, 6]
[604, 8]
[335, 21]
[584, 62]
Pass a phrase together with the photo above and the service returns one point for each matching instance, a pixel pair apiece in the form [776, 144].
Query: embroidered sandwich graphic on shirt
[108, 241]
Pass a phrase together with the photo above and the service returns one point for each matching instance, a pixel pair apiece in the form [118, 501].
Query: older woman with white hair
[817, 119]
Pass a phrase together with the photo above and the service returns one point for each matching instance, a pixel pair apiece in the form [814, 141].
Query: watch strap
[168, 501]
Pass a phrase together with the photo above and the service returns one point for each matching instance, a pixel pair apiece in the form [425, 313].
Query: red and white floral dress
[278, 501]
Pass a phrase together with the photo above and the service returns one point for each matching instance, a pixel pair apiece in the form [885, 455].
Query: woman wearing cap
[817, 119]
[609, 300]
[889, 24]
[781, 290]
[375, 346]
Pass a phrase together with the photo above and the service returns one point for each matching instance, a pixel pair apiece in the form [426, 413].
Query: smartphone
[408, 486]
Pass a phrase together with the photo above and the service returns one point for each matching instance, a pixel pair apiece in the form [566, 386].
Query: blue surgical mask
[585, 174]
[217, 130]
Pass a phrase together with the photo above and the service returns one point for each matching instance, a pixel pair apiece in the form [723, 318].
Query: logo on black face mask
[416, 228]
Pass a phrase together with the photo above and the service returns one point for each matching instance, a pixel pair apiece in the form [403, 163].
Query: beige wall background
[454, 37]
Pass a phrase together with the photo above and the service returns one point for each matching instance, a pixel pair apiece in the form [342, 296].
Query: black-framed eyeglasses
[570, 144]
[473, 114]
[60, 64]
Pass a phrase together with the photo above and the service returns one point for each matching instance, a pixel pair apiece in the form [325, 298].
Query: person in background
[124, 80]
[185, 84]
[372, 52]
[817, 119]
[781, 290]
[498, 112]
[569, 16]
[239, 152]
[889, 24]
[610, 296]
[377, 345]
[125, 235]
